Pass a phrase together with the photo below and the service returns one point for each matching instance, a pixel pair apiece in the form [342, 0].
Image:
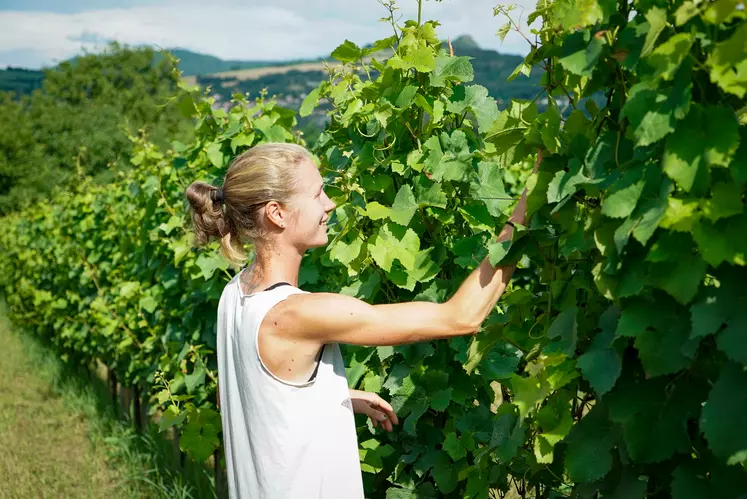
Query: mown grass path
[45, 451]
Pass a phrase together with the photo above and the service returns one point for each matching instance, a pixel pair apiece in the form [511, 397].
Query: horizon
[173, 49]
[37, 34]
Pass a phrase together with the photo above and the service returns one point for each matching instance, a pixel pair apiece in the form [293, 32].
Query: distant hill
[194, 63]
[291, 82]
[24, 81]
[20, 81]
[465, 42]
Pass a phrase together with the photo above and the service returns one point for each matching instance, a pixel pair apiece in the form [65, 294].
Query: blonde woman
[286, 409]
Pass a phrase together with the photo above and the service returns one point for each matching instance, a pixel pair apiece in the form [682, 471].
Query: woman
[287, 412]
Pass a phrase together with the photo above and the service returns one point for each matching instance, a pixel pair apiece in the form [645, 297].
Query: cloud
[232, 29]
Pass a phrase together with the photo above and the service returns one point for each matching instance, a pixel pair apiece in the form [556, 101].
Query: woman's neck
[276, 264]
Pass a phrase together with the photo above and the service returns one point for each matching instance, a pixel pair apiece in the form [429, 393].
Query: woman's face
[307, 226]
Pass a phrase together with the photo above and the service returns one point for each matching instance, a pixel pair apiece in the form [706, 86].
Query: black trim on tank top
[321, 352]
[277, 285]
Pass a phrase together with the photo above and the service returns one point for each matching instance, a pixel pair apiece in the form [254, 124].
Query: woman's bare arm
[335, 318]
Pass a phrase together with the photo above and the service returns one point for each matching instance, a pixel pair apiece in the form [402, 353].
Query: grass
[60, 436]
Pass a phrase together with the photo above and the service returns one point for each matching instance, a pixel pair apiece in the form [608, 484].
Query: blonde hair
[262, 174]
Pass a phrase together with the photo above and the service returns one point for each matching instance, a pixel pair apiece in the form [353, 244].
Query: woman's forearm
[480, 291]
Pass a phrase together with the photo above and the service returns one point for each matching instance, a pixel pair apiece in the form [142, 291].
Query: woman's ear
[275, 214]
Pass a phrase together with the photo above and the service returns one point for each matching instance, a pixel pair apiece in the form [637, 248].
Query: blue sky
[37, 33]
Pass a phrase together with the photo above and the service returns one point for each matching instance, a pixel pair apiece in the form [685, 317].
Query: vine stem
[365, 68]
[516, 26]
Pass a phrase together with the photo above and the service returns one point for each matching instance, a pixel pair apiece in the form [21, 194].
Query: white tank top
[282, 440]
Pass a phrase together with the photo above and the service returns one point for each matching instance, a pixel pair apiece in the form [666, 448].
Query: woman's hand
[375, 407]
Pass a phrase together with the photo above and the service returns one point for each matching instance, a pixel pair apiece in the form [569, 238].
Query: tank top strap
[277, 285]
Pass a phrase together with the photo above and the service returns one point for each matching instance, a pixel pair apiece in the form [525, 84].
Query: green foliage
[614, 365]
[119, 268]
[20, 81]
[79, 122]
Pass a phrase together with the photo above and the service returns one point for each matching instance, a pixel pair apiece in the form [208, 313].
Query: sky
[41, 33]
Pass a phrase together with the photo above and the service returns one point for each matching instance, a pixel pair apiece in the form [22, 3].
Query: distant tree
[25, 169]
[19, 80]
[78, 123]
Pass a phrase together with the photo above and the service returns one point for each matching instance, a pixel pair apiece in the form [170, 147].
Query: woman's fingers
[379, 418]
[387, 408]
[387, 424]
[379, 410]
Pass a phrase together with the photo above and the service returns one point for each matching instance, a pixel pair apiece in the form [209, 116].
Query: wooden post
[221, 480]
[177, 453]
[144, 419]
[113, 384]
[123, 406]
[216, 472]
[137, 411]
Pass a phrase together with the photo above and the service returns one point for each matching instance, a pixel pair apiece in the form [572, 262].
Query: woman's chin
[320, 241]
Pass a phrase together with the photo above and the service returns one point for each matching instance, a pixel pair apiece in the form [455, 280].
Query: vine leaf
[445, 474]
[451, 68]
[659, 429]
[601, 368]
[589, 445]
[667, 57]
[200, 435]
[580, 52]
[565, 183]
[657, 21]
[393, 242]
[489, 187]
[666, 350]
[653, 111]
[347, 52]
[722, 420]
[310, 102]
[623, 195]
[556, 421]
[565, 329]
[726, 61]
[528, 392]
[195, 379]
[454, 447]
[732, 340]
[507, 435]
[706, 136]
[404, 206]
[476, 99]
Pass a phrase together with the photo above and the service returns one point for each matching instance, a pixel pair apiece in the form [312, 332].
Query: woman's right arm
[335, 318]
